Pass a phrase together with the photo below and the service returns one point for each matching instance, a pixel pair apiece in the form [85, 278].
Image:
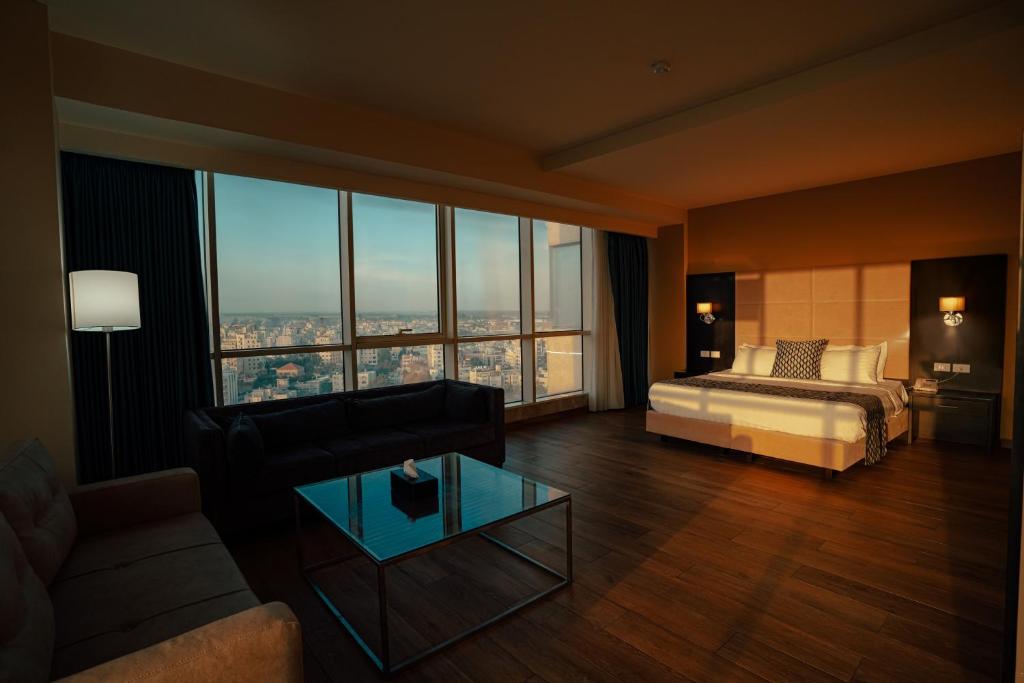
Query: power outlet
[716, 354]
[940, 367]
[964, 368]
[705, 354]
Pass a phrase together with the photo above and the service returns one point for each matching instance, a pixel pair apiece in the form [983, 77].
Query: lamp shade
[104, 300]
[951, 304]
[703, 307]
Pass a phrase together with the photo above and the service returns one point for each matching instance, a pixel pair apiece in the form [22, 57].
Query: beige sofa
[126, 580]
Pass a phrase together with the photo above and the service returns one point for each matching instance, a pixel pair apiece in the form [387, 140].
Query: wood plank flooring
[691, 564]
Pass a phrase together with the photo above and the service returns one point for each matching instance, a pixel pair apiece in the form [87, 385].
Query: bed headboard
[864, 304]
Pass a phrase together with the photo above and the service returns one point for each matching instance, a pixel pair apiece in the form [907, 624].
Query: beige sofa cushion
[26, 616]
[37, 507]
[127, 590]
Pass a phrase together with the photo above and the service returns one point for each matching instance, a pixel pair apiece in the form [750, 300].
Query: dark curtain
[627, 268]
[120, 215]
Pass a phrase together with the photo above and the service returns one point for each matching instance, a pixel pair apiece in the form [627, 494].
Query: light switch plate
[940, 367]
[705, 354]
[964, 368]
[716, 354]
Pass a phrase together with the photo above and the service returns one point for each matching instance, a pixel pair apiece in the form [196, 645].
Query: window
[251, 379]
[557, 276]
[270, 233]
[559, 365]
[487, 273]
[495, 364]
[395, 243]
[314, 290]
[384, 367]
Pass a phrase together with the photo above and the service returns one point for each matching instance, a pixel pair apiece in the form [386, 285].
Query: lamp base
[953, 318]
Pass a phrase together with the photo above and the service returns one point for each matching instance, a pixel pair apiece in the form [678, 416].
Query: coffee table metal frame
[383, 660]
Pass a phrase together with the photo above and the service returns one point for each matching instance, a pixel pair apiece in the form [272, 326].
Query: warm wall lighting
[952, 308]
[704, 312]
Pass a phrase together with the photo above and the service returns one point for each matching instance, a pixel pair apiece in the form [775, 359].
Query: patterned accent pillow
[798, 359]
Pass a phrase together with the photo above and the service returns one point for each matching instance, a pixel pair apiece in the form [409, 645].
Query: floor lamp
[105, 301]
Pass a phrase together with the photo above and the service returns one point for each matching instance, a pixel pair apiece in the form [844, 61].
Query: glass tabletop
[470, 494]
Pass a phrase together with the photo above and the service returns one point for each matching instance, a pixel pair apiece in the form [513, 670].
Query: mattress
[804, 417]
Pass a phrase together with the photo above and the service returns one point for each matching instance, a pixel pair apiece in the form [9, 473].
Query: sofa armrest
[205, 453]
[117, 503]
[260, 644]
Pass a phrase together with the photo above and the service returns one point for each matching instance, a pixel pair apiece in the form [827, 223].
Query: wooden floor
[691, 564]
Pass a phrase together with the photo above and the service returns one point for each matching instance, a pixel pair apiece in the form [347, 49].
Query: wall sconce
[952, 308]
[704, 313]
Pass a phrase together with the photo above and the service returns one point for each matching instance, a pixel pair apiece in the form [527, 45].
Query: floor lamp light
[105, 301]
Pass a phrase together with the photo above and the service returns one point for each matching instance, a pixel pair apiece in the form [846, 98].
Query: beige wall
[667, 258]
[37, 391]
[963, 209]
[200, 108]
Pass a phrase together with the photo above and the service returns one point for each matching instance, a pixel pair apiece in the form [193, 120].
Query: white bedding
[805, 417]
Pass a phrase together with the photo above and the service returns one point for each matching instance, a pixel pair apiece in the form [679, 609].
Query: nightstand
[679, 374]
[969, 417]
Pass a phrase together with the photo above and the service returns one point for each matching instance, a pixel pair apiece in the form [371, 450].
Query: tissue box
[407, 488]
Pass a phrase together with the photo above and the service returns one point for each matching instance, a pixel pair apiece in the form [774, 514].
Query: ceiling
[549, 76]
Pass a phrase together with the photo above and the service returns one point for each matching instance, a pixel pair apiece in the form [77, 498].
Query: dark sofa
[314, 438]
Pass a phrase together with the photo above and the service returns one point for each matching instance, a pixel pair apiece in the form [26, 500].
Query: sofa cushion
[292, 466]
[104, 614]
[465, 402]
[26, 615]
[109, 551]
[373, 450]
[244, 443]
[36, 506]
[304, 424]
[370, 414]
[446, 436]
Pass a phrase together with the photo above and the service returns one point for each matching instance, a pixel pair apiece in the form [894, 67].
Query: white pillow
[852, 365]
[883, 356]
[754, 360]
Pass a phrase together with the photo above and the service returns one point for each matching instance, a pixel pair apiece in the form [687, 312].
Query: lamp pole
[110, 404]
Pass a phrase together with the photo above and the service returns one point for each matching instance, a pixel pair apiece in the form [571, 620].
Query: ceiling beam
[1000, 17]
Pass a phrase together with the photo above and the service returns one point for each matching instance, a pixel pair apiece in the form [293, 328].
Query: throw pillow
[245, 444]
[798, 359]
[397, 409]
[314, 422]
[465, 402]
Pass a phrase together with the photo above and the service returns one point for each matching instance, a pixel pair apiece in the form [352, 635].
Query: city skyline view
[271, 376]
[279, 284]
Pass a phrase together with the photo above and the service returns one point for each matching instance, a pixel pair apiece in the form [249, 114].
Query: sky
[277, 252]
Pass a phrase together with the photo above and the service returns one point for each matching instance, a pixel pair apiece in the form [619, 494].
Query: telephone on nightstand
[926, 386]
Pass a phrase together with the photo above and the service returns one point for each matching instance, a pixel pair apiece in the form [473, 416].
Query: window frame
[447, 335]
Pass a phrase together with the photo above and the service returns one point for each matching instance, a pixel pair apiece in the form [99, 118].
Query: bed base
[829, 454]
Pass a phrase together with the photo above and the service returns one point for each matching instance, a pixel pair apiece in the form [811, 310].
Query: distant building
[229, 385]
[337, 382]
[290, 370]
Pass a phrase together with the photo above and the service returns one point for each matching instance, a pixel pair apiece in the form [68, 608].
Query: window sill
[545, 408]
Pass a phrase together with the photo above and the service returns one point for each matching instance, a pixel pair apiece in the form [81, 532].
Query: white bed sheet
[805, 417]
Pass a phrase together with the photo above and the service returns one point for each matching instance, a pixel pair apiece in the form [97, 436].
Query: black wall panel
[979, 340]
[720, 290]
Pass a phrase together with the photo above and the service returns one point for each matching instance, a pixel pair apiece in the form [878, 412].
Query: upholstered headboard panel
[865, 304]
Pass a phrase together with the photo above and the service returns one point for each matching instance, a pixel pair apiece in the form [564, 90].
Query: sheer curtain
[606, 393]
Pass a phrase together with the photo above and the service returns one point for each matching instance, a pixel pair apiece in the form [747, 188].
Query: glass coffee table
[356, 518]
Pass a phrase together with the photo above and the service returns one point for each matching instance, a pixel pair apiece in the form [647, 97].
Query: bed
[828, 434]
